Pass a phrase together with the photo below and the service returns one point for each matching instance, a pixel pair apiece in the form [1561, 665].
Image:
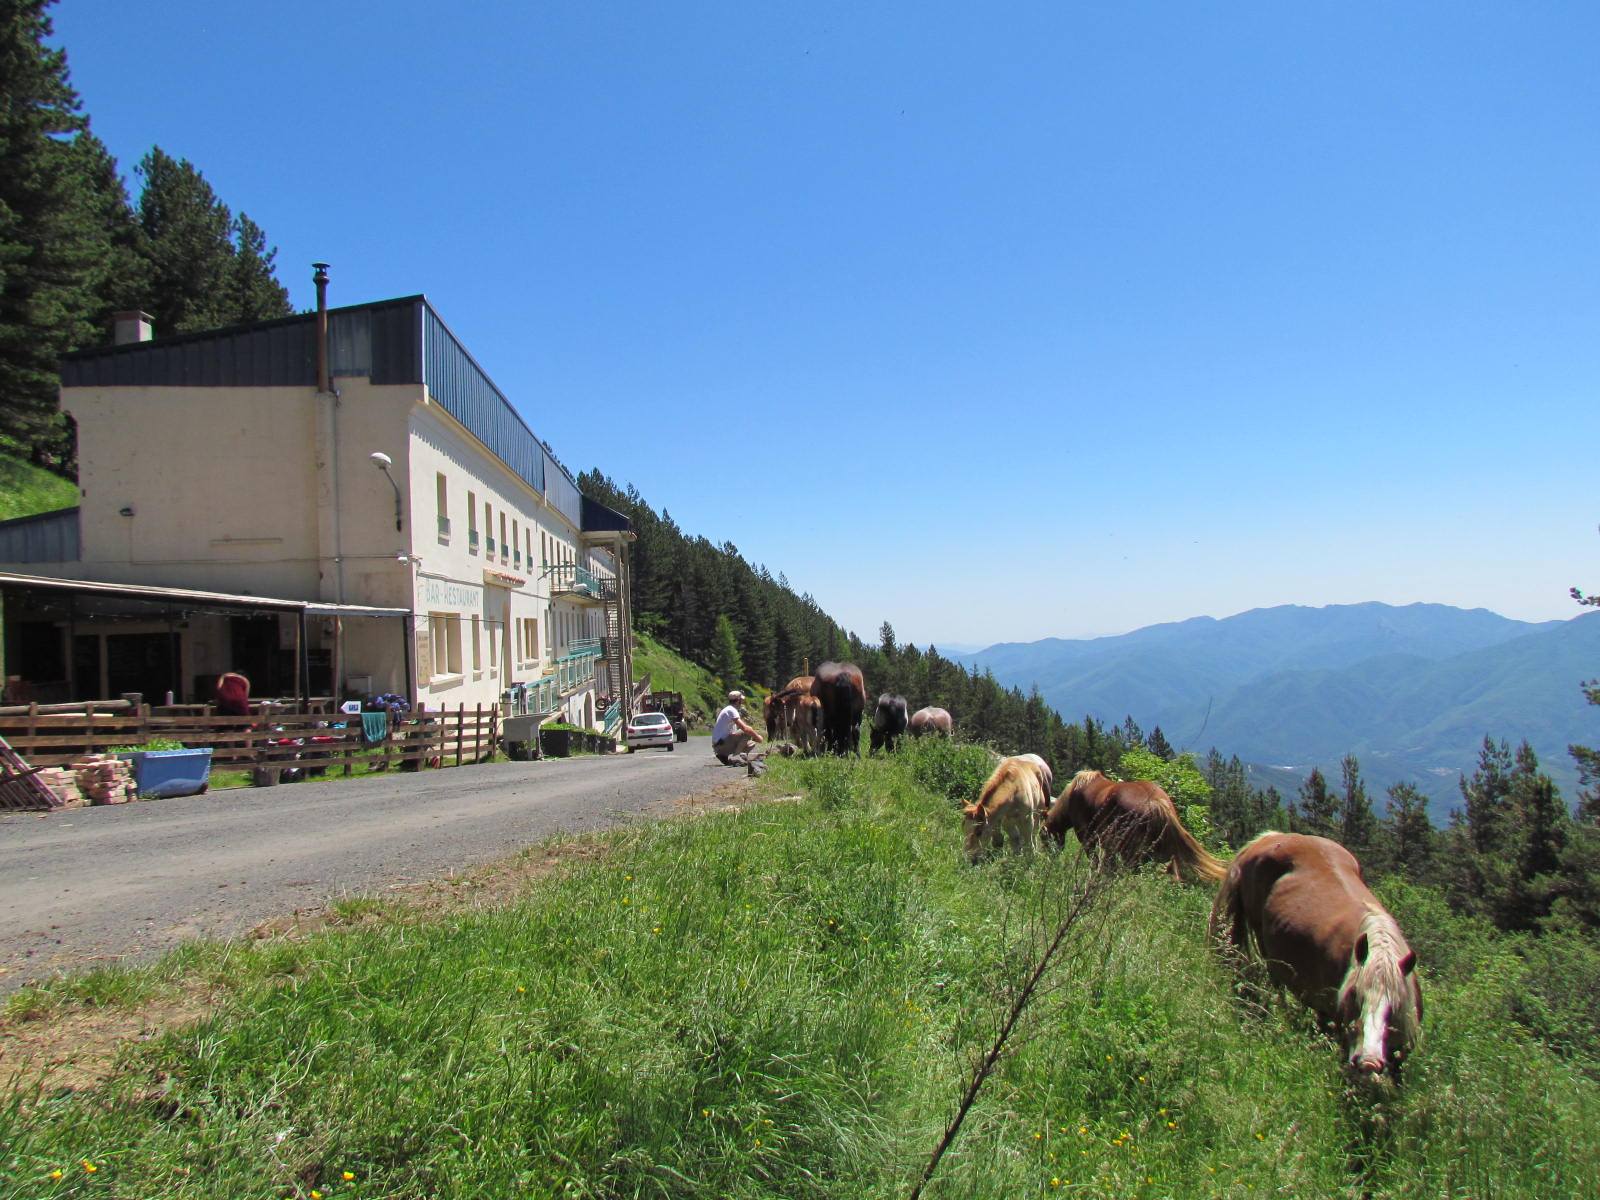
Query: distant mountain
[1412, 690]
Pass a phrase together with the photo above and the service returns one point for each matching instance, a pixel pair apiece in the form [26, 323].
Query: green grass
[669, 671]
[26, 489]
[785, 1001]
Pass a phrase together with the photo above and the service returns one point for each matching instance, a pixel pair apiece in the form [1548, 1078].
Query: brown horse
[931, 720]
[1135, 821]
[1303, 902]
[1006, 809]
[843, 692]
[805, 724]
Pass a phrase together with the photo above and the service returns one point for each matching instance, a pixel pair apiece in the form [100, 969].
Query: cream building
[357, 461]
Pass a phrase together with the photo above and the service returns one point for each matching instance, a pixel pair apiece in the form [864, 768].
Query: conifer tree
[188, 233]
[1357, 825]
[1159, 746]
[1318, 810]
[724, 661]
[47, 244]
[1407, 835]
[254, 293]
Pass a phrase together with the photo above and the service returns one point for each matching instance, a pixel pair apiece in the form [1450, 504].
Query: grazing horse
[1304, 904]
[1007, 808]
[931, 720]
[843, 692]
[1135, 821]
[779, 708]
[888, 721]
[805, 723]
[1047, 779]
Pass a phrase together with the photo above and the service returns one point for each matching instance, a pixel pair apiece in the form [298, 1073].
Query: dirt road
[126, 882]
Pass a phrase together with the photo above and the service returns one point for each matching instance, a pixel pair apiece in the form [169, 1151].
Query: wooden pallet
[21, 790]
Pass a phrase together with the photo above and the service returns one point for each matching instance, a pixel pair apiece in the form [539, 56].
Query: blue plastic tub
[158, 774]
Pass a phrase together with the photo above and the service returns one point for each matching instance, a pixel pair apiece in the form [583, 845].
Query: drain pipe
[325, 388]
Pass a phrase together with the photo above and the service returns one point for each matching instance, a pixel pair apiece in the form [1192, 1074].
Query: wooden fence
[266, 743]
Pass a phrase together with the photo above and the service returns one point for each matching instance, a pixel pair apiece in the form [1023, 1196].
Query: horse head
[975, 823]
[1380, 1001]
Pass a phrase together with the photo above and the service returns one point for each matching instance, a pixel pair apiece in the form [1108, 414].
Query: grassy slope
[26, 489]
[671, 672]
[784, 1002]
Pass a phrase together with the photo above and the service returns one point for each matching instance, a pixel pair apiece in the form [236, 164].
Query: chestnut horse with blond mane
[1303, 902]
[1134, 820]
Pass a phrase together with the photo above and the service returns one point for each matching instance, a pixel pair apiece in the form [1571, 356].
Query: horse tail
[1227, 924]
[1192, 855]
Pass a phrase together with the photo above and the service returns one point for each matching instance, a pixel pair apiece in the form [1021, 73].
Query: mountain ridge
[1412, 690]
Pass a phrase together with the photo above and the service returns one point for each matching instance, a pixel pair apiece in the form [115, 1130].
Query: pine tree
[724, 661]
[47, 245]
[1358, 826]
[1159, 746]
[1407, 835]
[1318, 811]
[188, 233]
[254, 293]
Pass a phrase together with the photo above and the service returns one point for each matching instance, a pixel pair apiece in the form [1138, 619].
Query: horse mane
[1087, 775]
[1013, 774]
[1386, 949]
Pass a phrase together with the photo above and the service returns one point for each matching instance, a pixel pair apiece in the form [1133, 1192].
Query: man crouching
[732, 735]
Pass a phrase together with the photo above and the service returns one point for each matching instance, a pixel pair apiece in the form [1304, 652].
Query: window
[505, 547]
[472, 522]
[496, 637]
[477, 646]
[442, 497]
[488, 526]
[444, 632]
[516, 544]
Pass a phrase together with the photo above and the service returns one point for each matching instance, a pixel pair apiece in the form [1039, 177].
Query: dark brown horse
[843, 692]
[1133, 821]
[1303, 904]
[888, 721]
[931, 720]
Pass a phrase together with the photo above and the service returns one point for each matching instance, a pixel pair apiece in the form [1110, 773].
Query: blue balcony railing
[571, 579]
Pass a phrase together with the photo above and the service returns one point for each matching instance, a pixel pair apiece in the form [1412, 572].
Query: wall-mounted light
[125, 511]
[383, 462]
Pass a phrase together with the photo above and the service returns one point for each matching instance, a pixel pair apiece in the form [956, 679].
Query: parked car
[650, 729]
[670, 703]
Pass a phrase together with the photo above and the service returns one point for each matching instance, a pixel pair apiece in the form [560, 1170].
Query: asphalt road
[126, 882]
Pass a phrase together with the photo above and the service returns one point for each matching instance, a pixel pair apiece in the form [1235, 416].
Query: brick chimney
[132, 326]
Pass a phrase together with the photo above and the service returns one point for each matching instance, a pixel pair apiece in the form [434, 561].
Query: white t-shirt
[726, 724]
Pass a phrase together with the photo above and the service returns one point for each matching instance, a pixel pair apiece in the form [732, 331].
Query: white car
[649, 729]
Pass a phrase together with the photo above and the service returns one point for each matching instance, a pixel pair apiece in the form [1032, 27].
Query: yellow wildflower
[56, 1174]
[349, 1176]
[89, 1167]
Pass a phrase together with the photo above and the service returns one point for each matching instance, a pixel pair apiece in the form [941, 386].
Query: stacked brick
[63, 786]
[93, 780]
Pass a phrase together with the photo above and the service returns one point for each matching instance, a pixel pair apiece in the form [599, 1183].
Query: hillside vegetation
[669, 671]
[785, 1001]
[26, 489]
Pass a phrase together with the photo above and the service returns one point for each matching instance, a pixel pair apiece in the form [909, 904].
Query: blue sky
[999, 322]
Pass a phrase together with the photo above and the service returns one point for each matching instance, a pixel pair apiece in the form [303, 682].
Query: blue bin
[158, 774]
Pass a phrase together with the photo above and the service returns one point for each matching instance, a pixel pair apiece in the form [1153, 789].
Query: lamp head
[381, 460]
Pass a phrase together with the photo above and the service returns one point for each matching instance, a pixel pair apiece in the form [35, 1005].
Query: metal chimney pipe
[324, 381]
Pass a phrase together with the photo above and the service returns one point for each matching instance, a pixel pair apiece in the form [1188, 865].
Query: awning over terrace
[48, 656]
